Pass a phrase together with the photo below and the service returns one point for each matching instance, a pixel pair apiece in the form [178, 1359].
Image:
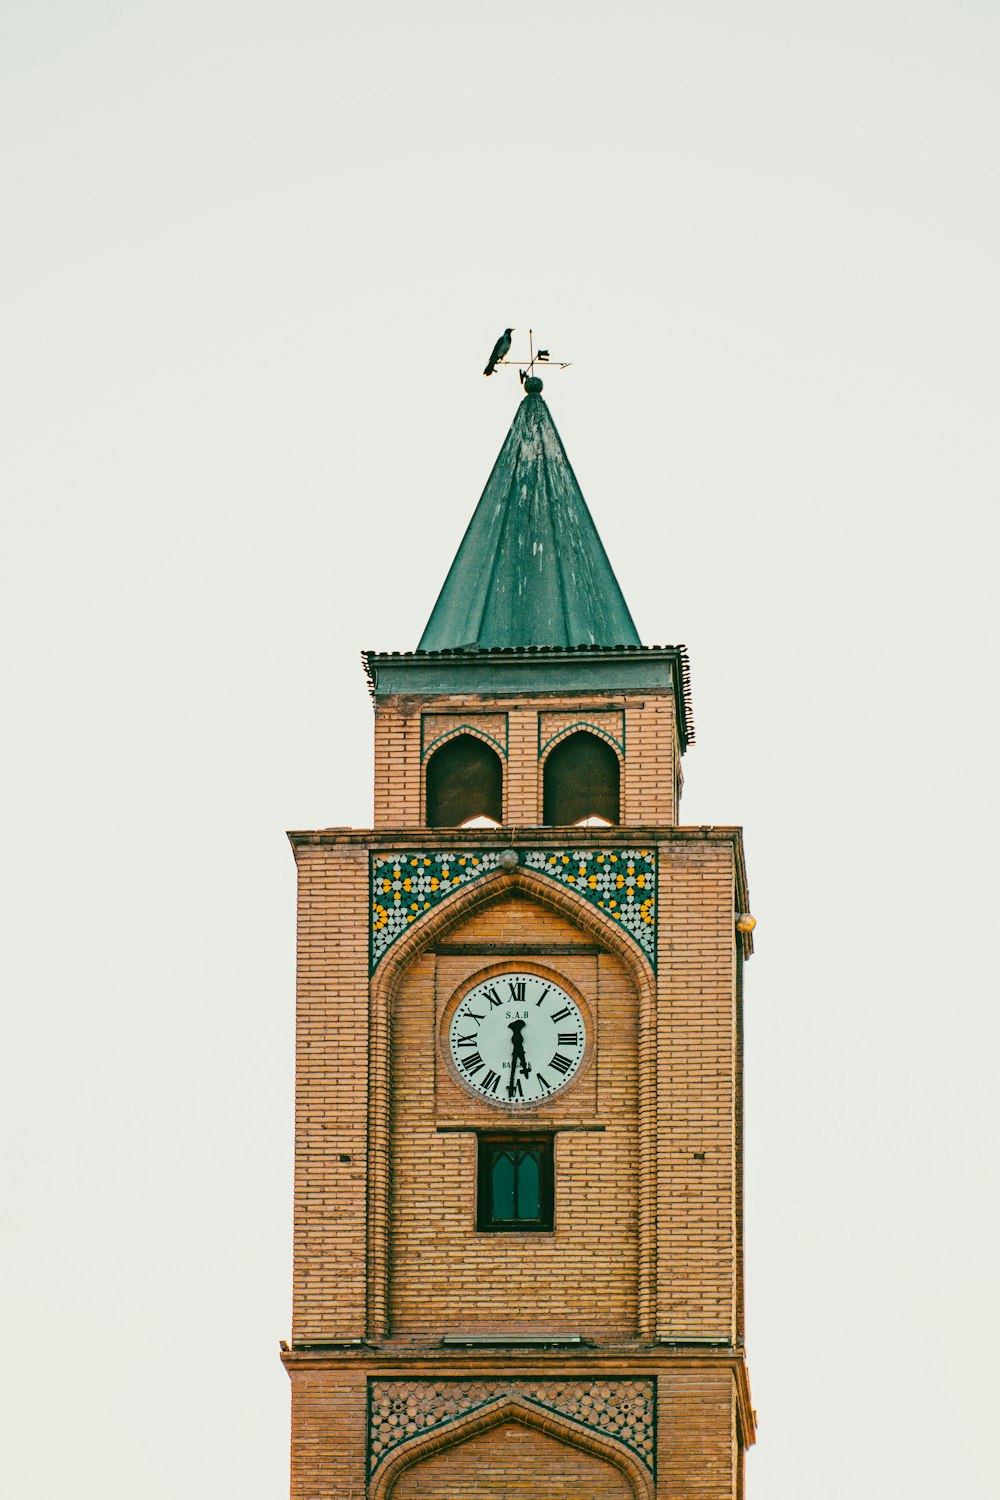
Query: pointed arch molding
[464, 726]
[499, 875]
[407, 884]
[588, 726]
[613, 1419]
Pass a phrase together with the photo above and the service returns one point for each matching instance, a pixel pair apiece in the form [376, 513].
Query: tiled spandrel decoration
[408, 884]
[621, 1409]
[622, 882]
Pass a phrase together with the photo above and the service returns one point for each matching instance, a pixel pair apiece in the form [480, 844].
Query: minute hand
[516, 1055]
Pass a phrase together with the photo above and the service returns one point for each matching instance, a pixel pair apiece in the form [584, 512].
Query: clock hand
[516, 1055]
[513, 1059]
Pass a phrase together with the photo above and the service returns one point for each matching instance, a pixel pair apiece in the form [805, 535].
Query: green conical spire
[531, 570]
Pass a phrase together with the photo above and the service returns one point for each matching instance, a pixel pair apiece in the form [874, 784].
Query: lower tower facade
[518, 1222]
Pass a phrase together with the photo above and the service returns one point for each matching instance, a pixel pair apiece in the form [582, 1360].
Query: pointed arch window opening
[464, 785]
[581, 783]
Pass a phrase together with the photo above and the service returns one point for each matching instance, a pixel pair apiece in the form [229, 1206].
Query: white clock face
[517, 1039]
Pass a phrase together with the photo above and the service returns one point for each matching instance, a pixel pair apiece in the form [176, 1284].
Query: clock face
[517, 1039]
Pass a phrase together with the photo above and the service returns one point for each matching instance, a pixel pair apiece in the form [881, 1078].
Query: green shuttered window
[515, 1183]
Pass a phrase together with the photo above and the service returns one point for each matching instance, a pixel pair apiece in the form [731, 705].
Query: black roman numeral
[493, 998]
[490, 1081]
[543, 1082]
[543, 994]
[560, 1063]
[518, 1092]
[470, 1015]
[516, 987]
[473, 1063]
[560, 1015]
[565, 1039]
[470, 1040]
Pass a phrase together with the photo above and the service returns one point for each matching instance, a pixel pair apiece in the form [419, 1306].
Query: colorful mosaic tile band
[620, 1409]
[406, 885]
[622, 882]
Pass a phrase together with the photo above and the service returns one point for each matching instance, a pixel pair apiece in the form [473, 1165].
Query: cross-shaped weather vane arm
[502, 356]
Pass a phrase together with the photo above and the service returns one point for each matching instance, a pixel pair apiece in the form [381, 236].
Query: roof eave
[524, 658]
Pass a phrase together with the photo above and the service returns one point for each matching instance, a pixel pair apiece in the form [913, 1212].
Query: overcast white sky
[255, 256]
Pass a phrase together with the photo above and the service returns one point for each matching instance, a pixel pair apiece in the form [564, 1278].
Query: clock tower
[518, 1266]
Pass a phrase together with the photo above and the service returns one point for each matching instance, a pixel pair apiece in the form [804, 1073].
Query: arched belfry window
[464, 784]
[581, 782]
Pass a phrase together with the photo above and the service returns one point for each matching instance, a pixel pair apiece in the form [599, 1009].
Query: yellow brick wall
[697, 1455]
[437, 727]
[516, 1462]
[329, 1433]
[688, 1134]
[651, 756]
[331, 1094]
[696, 1092]
[697, 1432]
[580, 1279]
[608, 721]
[664, 1091]
[500, 921]
[523, 802]
[398, 802]
[648, 772]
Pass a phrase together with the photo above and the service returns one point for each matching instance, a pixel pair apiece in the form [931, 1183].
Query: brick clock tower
[518, 1262]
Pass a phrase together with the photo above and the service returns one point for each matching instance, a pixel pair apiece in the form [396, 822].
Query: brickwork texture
[639, 1280]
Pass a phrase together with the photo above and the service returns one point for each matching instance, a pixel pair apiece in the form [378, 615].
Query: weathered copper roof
[531, 569]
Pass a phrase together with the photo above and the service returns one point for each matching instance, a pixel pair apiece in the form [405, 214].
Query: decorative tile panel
[406, 885]
[607, 722]
[624, 1410]
[437, 727]
[622, 882]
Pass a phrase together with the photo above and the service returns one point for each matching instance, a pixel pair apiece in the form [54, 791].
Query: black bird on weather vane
[500, 351]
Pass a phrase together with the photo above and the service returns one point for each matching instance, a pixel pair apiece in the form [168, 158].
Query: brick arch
[498, 1413]
[462, 732]
[432, 927]
[587, 727]
[581, 728]
[451, 734]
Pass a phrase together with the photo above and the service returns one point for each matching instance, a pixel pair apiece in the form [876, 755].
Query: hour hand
[517, 1049]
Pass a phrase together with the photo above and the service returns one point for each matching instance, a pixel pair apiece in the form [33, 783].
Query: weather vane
[501, 356]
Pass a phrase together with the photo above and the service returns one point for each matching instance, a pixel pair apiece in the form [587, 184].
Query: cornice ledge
[530, 835]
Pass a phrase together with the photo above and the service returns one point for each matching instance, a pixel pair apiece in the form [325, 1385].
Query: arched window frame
[582, 726]
[472, 732]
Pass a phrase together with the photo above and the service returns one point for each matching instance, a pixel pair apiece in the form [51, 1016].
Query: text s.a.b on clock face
[517, 1039]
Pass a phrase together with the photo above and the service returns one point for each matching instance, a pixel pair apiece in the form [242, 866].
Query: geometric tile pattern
[436, 727]
[406, 885]
[609, 724]
[621, 1409]
[621, 882]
